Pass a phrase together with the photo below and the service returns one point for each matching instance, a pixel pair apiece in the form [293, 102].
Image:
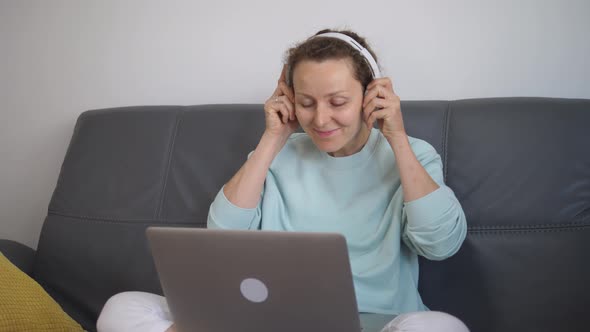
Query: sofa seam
[537, 226]
[526, 231]
[123, 220]
[445, 140]
[472, 229]
[168, 163]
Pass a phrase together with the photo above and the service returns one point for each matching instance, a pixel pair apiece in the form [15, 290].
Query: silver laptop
[228, 280]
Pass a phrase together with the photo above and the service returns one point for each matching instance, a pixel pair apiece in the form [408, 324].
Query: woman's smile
[325, 133]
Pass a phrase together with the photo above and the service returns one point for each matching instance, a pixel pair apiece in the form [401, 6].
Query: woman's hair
[320, 49]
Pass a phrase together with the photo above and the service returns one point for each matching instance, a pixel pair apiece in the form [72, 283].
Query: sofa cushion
[110, 189]
[519, 166]
[521, 169]
[211, 144]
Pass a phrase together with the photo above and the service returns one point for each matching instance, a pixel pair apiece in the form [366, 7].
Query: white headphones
[365, 53]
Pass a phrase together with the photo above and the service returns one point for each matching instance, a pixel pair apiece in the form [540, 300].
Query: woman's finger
[285, 100]
[286, 91]
[280, 103]
[283, 77]
[386, 93]
[275, 94]
[376, 115]
[385, 81]
[274, 109]
[282, 108]
[378, 91]
[373, 105]
[270, 101]
[370, 95]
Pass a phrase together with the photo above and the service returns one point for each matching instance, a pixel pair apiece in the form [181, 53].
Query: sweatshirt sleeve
[434, 226]
[225, 215]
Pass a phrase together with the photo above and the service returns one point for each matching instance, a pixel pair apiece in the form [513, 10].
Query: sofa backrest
[521, 169]
[519, 166]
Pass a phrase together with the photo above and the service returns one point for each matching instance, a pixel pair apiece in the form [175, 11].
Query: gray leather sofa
[519, 166]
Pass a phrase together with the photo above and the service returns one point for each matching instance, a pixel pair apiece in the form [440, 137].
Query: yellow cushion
[25, 306]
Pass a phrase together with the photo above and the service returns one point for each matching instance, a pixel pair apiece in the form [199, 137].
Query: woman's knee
[128, 308]
[422, 321]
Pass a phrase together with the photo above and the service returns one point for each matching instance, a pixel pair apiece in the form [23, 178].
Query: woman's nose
[322, 117]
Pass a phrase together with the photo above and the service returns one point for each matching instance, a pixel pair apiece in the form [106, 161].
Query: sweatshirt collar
[356, 159]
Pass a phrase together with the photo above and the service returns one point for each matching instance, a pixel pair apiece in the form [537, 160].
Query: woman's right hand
[279, 111]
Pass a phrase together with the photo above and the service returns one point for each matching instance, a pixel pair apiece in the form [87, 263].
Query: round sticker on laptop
[254, 290]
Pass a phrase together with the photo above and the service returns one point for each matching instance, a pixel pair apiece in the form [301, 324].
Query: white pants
[146, 312]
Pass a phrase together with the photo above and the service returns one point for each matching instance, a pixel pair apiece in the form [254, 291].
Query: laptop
[230, 280]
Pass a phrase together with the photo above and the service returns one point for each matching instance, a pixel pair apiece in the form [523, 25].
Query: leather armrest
[19, 254]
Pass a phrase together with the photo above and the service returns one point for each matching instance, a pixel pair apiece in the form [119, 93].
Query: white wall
[61, 57]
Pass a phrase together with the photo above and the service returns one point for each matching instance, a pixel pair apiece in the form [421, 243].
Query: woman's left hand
[382, 104]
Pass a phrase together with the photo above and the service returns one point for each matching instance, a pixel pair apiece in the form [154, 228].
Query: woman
[384, 191]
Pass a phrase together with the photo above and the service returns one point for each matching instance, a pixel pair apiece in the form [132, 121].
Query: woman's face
[328, 105]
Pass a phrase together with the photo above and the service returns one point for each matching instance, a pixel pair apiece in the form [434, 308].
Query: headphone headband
[364, 52]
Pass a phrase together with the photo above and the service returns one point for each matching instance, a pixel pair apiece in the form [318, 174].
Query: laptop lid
[229, 280]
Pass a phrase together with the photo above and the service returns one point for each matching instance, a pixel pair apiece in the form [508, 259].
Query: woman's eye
[338, 103]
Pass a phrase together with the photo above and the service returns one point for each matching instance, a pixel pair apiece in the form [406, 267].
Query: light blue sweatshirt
[359, 196]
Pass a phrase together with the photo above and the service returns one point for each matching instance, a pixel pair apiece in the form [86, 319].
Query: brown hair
[320, 49]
